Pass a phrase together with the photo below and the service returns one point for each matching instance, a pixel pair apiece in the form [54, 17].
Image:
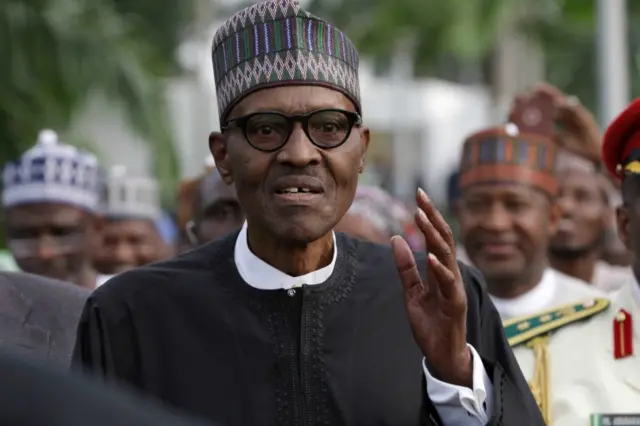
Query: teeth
[295, 190]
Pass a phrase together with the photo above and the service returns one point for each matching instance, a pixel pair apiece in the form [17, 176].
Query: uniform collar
[259, 274]
[537, 299]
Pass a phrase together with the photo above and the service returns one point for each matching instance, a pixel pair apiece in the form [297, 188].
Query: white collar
[537, 299]
[259, 274]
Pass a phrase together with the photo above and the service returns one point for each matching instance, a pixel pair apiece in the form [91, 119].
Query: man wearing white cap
[50, 199]
[131, 208]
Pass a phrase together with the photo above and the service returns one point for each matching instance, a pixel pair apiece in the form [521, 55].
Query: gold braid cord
[540, 385]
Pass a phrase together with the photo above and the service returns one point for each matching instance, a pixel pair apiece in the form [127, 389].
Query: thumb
[406, 264]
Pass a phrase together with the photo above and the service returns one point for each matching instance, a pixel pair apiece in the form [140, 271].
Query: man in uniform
[507, 214]
[130, 238]
[39, 316]
[51, 202]
[216, 210]
[589, 360]
[286, 322]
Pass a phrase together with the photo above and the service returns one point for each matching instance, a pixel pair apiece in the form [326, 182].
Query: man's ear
[622, 221]
[365, 136]
[218, 148]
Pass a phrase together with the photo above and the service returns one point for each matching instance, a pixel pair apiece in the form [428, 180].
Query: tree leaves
[59, 52]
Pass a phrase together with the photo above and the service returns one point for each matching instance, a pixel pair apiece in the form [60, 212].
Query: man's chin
[500, 271]
[568, 252]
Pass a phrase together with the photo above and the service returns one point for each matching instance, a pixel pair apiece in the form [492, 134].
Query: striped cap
[503, 154]
[275, 42]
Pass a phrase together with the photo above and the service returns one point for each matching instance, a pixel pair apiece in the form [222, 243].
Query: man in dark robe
[285, 322]
[39, 316]
[216, 210]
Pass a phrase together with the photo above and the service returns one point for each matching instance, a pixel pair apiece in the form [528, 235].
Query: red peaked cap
[621, 138]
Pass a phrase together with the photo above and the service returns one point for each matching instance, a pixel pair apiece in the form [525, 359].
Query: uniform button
[291, 292]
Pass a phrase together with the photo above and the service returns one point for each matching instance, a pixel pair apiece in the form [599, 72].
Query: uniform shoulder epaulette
[521, 330]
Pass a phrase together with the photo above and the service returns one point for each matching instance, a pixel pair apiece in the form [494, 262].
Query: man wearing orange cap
[594, 363]
[508, 213]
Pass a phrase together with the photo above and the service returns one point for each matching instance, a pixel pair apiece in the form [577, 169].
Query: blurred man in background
[584, 197]
[216, 210]
[130, 237]
[588, 372]
[376, 216]
[38, 316]
[187, 194]
[508, 214]
[51, 203]
[577, 246]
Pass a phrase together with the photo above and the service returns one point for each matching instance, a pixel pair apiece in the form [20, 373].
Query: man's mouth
[298, 189]
[302, 190]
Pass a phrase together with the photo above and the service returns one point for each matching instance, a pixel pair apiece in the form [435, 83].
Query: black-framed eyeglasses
[269, 131]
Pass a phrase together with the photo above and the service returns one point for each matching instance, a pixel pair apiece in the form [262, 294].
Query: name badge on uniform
[615, 420]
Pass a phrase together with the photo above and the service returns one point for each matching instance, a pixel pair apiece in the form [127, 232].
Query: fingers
[406, 265]
[443, 276]
[435, 229]
[434, 241]
[549, 90]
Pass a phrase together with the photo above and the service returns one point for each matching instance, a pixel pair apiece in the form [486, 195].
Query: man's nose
[47, 248]
[498, 219]
[123, 253]
[299, 151]
[567, 205]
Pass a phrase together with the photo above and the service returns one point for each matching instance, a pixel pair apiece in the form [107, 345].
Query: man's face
[628, 219]
[128, 244]
[505, 229]
[220, 212]
[52, 240]
[583, 214]
[261, 177]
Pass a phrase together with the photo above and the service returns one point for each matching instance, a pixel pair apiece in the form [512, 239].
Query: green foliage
[466, 31]
[568, 36]
[58, 52]
[459, 28]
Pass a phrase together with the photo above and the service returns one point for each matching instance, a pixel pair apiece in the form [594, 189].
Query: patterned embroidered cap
[275, 42]
[126, 196]
[52, 172]
[503, 154]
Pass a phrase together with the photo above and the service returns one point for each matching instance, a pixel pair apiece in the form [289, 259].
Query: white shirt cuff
[458, 405]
